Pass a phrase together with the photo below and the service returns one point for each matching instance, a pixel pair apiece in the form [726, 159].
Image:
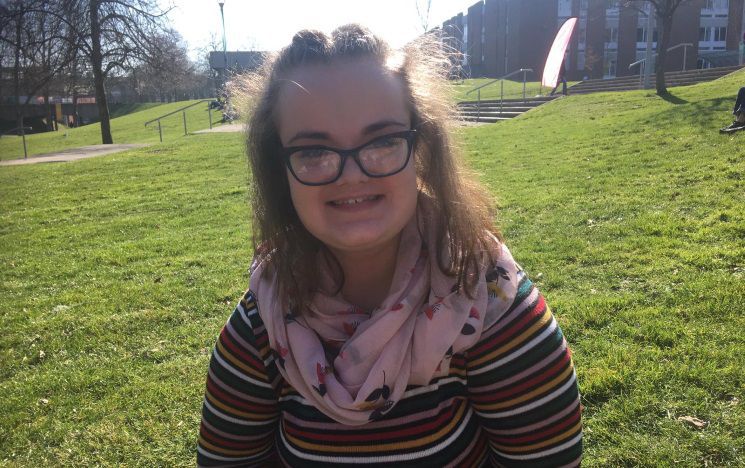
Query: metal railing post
[478, 107]
[501, 97]
[209, 111]
[524, 71]
[183, 111]
[23, 136]
[685, 56]
[525, 76]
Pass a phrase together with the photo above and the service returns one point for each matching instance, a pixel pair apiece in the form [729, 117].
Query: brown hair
[462, 220]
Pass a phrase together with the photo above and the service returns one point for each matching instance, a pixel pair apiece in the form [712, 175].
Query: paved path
[224, 128]
[72, 154]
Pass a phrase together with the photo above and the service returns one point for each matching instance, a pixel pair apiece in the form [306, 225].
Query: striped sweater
[510, 400]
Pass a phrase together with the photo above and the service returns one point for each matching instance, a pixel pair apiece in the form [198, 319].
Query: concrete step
[680, 78]
[537, 100]
[492, 108]
[484, 119]
[670, 83]
[506, 115]
[492, 111]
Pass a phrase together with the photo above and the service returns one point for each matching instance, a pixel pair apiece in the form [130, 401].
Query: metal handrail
[23, 136]
[182, 109]
[524, 71]
[685, 46]
[499, 79]
[12, 130]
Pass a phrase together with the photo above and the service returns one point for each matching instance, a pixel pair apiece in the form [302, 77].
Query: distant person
[562, 78]
[738, 112]
[386, 322]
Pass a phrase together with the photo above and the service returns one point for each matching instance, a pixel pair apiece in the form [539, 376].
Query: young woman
[738, 112]
[386, 321]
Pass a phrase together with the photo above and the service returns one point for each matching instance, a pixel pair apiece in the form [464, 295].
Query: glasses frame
[354, 153]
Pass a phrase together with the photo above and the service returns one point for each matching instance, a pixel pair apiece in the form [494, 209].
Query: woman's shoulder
[245, 321]
[506, 283]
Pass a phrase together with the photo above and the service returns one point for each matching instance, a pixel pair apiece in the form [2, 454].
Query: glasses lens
[315, 166]
[385, 155]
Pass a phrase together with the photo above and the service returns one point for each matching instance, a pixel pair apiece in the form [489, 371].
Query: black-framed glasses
[380, 157]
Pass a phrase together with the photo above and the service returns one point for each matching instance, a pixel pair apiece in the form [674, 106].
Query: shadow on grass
[705, 114]
[672, 99]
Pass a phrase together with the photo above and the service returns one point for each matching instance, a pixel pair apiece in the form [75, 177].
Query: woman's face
[345, 105]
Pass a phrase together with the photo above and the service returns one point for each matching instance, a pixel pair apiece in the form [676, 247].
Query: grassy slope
[129, 128]
[119, 110]
[116, 273]
[631, 211]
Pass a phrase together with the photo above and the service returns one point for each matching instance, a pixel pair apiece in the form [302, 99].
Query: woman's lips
[355, 203]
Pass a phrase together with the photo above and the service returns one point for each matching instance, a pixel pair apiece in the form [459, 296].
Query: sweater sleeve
[240, 412]
[523, 387]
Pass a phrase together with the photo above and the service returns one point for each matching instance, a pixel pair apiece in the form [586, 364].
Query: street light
[648, 55]
[224, 42]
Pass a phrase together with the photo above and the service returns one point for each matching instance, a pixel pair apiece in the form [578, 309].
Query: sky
[270, 24]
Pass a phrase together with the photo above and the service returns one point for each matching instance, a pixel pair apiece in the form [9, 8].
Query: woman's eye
[313, 153]
[387, 142]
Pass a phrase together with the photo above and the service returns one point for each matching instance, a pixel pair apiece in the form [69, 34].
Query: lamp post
[648, 55]
[224, 43]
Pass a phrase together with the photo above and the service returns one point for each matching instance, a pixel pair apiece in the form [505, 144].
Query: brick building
[500, 36]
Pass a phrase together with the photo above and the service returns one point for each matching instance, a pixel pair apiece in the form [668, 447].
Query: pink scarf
[408, 340]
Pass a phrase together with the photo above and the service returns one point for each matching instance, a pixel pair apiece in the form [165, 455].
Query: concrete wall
[735, 24]
[685, 30]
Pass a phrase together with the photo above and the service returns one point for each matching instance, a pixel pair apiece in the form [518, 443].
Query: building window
[609, 66]
[717, 8]
[720, 34]
[712, 34]
[716, 5]
[701, 63]
[641, 35]
[611, 8]
[611, 34]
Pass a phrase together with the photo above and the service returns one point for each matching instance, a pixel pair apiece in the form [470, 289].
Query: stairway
[490, 111]
[627, 83]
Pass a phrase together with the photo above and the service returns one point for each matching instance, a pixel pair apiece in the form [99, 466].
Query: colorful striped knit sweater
[511, 400]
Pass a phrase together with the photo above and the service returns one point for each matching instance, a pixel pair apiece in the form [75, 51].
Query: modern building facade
[500, 36]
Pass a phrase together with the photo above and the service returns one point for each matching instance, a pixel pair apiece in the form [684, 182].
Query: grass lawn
[116, 274]
[126, 127]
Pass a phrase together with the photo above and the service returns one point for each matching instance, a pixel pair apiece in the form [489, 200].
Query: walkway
[72, 154]
[223, 128]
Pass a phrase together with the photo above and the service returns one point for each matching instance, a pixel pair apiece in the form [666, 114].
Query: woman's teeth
[353, 201]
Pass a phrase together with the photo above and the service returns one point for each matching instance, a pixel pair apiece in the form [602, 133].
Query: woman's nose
[351, 172]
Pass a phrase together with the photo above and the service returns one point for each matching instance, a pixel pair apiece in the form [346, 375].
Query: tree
[168, 71]
[664, 11]
[114, 35]
[34, 33]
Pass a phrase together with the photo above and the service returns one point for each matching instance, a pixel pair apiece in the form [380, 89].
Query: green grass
[116, 274]
[127, 126]
[119, 110]
[512, 89]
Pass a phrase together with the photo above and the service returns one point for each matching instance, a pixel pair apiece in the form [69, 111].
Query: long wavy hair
[462, 214]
